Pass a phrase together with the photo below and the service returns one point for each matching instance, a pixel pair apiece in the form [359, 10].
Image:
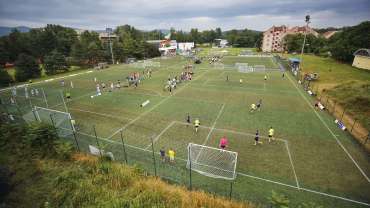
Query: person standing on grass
[188, 120]
[171, 155]
[227, 78]
[223, 143]
[259, 103]
[196, 124]
[68, 95]
[163, 154]
[253, 108]
[72, 85]
[265, 77]
[271, 134]
[257, 138]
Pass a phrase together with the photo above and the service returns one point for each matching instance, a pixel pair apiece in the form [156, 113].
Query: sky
[183, 14]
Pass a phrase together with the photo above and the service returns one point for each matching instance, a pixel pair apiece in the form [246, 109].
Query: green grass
[319, 162]
[347, 85]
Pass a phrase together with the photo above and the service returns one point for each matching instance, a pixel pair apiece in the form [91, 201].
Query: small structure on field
[362, 59]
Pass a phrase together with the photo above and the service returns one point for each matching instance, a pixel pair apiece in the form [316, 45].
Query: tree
[5, 78]
[343, 44]
[26, 67]
[55, 62]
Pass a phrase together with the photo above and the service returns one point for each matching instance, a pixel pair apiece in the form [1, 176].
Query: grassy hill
[39, 170]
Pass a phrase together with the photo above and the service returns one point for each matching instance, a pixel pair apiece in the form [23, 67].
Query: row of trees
[55, 48]
[237, 38]
[340, 46]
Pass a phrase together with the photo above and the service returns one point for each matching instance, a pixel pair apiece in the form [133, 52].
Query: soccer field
[310, 161]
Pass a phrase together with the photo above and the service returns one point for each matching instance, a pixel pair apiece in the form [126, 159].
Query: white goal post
[212, 162]
[61, 120]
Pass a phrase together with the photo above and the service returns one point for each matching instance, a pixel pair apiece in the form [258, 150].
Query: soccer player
[163, 154]
[72, 85]
[223, 142]
[227, 78]
[271, 134]
[196, 124]
[259, 103]
[253, 107]
[241, 81]
[171, 155]
[265, 77]
[188, 120]
[256, 138]
[68, 95]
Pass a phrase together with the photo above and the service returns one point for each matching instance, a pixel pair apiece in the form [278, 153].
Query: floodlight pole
[305, 35]
[108, 30]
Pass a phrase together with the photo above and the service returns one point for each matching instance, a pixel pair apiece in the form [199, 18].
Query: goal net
[259, 68]
[61, 120]
[243, 67]
[212, 162]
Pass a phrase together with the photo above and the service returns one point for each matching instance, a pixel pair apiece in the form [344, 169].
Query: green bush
[63, 149]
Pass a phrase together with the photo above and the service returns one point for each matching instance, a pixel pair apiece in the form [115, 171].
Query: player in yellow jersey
[253, 107]
[196, 124]
[271, 134]
[171, 155]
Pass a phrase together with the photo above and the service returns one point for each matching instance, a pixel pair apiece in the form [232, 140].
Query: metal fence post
[124, 148]
[52, 121]
[231, 189]
[367, 138]
[189, 160]
[74, 135]
[155, 166]
[34, 114]
[341, 118]
[97, 141]
[353, 124]
[335, 103]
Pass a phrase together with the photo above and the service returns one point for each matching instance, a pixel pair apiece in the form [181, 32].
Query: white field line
[100, 114]
[291, 163]
[160, 134]
[331, 132]
[47, 80]
[232, 131]
[264, 86]
[154, 107]
[250, 88]
[210, 131]
[334, 196]
[240, 173]
[77, 98]
[214, 124]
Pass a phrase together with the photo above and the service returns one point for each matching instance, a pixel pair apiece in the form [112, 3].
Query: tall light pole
[109, 31]
[305, 35]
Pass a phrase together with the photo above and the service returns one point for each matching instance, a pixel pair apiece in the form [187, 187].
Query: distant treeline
[340, 46]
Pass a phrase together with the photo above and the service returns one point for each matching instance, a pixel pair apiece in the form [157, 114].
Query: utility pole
[109, 31]
[305, 35]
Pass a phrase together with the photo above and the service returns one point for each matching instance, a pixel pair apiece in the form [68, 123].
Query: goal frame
[190, 162]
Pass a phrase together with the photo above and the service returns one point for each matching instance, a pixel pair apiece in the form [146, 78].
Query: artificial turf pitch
[306, 162]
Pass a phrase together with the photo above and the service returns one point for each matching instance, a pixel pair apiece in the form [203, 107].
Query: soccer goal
[243, 67]
[218, 66]
[259, 68]
[212, 162]
[61, 120]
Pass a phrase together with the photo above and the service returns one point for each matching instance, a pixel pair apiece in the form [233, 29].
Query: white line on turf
[44, 81]
[331, 132]
[77, 98]
[239, 173]
[160, 134]
[214, 124]
[291, 163]
[155, 106]
[232, 131]
[100, 114]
